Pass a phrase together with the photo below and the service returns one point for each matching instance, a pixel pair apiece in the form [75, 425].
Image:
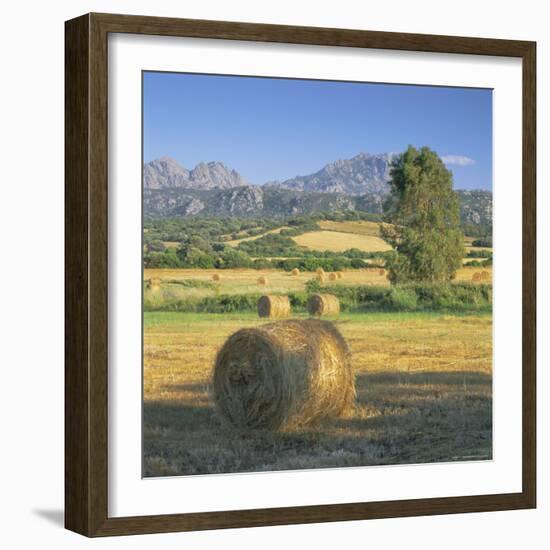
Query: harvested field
[338, 241]
[424, 394]
[244, 281]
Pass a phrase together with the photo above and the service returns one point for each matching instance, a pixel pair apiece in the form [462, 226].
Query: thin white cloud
[458, 160]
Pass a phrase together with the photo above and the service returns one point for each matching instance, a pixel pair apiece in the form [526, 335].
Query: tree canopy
[424, 213]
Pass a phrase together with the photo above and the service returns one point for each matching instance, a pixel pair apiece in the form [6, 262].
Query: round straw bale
[339, 274]
[216, 277]
[295, 271]
[323, 304]
[283, 375]
[321, 277]
[476, 277]
[154, 283]
[332, 277]
[485, 275]
[262, 280]
[320, 271]
[273, 306]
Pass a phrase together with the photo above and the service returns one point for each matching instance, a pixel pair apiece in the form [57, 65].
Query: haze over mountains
[213, 189]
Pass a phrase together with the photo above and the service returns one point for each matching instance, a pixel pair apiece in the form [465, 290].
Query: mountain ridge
[361, 174]
[167, 173]
[213, 189]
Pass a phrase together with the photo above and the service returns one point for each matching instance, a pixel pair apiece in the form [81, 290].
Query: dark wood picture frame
[86, 285]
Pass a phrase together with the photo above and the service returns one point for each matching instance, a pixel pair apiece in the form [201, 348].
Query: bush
[261, 263]
[401, 299]
[168, 259]
[313, 286]
[411, 297]
[357, 263]
[298, 300]
[484, 242]
[457, 296]
[479, 254]
[232, 259]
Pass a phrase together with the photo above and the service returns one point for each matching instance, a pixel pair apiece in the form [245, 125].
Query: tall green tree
[425, 215]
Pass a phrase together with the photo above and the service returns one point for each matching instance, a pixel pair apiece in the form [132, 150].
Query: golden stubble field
[424, 394]
[242, 281]
[338, 241]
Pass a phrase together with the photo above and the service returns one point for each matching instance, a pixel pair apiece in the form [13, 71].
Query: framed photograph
[300, 275]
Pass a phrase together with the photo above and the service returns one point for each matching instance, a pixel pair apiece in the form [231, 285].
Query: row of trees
[201, 255]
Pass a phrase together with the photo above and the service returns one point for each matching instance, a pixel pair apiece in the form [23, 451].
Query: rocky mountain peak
[167, 173]
[362, 174]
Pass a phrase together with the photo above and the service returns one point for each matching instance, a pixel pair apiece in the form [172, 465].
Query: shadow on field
[432, 378]
[424, 416]
[179, 416]
[400, 418]
[177, 388]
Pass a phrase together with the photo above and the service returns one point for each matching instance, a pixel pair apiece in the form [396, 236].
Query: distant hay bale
[381, 272]
[273, 306]
[154, 283]
[295, 271]
[216, 277]
[320, 271]
[323, 304]
[332, 277]
[339, 274]
[476, 277]
[485, 276]
[262, 281]
[283, 375]
[321, 277]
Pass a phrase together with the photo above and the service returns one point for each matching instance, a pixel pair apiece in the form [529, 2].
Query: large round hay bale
[320, 277]
[332, 276]
[262, 280]
[320, 271]
[283, 375]
[273, 306]
[485, 275]
[295, 272]
[323, 304]
[339, 274]
[216, 277]
[476, 277]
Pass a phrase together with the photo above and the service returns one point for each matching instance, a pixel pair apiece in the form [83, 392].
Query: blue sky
[275, 129]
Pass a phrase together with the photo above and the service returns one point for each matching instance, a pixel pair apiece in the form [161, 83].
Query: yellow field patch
[338, 241]
[244, 281]
[237, 242]
[358, 227]
[479, 248]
